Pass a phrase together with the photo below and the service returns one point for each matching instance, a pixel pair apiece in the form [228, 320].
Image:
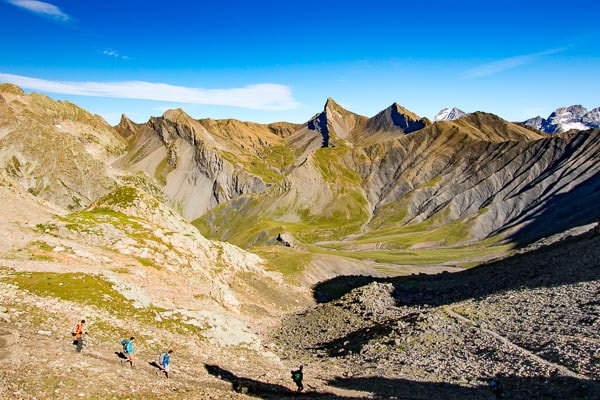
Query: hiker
[297, 376]
[496, 389]
[78, 333]
[128, 351]
[163, 362]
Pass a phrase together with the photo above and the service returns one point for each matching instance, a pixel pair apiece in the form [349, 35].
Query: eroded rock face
[196, 175]
[498, 185]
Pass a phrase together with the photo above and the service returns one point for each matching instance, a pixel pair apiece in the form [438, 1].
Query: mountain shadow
[570, 261]
[319, 124]
[507, 387]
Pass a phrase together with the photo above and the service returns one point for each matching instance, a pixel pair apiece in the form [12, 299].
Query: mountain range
[567, 118]
[253, 247]
[367, 183]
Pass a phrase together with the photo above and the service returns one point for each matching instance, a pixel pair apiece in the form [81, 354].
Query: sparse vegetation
[93, 290]
[162, 170]
[290, 262]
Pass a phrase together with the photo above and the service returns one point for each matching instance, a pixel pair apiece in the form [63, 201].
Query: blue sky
[275, 60]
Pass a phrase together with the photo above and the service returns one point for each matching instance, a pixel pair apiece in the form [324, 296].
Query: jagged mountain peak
[567, 118]
[395, 107]
[333, 120]
[396, 118]
[330, 102]
[332, 105]
[449, 114]
[576, 109]
[126, 127]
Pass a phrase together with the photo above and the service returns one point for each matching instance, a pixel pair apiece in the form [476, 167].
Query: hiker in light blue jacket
[128, 351]
[163, 361]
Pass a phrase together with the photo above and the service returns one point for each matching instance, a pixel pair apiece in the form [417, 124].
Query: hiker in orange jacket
[78, 333]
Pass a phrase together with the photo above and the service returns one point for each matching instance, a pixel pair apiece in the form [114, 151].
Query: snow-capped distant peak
[567, 118]
[449, 114]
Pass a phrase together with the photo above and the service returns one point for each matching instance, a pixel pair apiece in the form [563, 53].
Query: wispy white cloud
[164, 107]
[506, 63]
[263, 96]
[115, 54]
[41, 8]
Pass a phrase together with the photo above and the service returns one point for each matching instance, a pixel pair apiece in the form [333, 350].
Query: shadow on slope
[354, 341]
[570, 261]
[265, 390]
[509, 387]
[561, 212]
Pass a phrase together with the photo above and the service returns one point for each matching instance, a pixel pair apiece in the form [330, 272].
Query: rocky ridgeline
[530, 322]
[56, 150]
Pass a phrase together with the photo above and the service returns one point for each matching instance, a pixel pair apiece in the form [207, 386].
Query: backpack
[75, 329]
[161, 358]
[124, 343]
[296, 376]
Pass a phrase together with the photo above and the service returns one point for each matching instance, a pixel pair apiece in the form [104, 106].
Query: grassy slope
[94, 291]
[254, 219]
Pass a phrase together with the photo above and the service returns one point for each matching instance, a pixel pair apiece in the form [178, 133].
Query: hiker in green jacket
[297, 377]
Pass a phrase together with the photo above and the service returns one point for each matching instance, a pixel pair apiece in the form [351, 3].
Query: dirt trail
[526, 353]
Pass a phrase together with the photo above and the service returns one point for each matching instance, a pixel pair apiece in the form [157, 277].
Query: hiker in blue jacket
[163, 361]
[128, 351]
